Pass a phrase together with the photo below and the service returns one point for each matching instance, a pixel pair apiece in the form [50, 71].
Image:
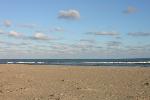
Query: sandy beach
[51, 82]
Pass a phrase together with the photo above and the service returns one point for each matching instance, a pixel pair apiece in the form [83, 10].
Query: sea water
[143, 62]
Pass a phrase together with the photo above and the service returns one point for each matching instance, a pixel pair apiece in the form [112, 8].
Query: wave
[147, 62]
[25, 62]
[21, 62]
[86, 62]
[40, 62]
[10, 62]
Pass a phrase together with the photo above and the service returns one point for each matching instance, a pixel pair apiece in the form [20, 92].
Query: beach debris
[62, 80]
[51, 95]
[146, 84]
[54, 97]
[78, 88]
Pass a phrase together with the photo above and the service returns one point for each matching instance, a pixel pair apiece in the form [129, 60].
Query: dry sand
[39, 82]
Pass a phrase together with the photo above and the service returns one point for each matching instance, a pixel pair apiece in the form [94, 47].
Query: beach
[60, 82]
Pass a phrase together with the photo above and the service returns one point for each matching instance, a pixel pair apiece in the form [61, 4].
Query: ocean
[142, 62]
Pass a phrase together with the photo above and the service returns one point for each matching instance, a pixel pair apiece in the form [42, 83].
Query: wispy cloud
[2, 32]
[29, 26]
[130, 10]
[11, 33]
[104, 33]
[7, 43]
[70, 14]
[138, 50]
[87, 40]
[113, 43]
[7, 23]
[143, 34]
[59, 29]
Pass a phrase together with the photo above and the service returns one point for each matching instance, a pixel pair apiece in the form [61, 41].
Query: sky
[72, 29]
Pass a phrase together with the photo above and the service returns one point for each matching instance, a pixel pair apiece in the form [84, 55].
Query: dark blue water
[143, 62]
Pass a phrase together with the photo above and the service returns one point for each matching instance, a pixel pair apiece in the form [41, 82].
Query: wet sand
[50, 82]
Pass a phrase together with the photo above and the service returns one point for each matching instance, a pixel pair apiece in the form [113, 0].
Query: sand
[51, 82]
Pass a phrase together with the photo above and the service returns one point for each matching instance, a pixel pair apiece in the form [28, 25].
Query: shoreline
[84, 66]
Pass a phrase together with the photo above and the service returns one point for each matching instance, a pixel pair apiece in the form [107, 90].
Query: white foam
[10, 62]
[25, 62]
[40, 62]
[146, 62]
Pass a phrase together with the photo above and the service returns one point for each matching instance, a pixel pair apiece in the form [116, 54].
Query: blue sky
[74, 29]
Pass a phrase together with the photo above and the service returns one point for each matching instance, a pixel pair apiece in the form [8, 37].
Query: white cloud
[14, 33]
[130, 10]
[7, 23]
[40, 36]
[36, 36]
[70, 14]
